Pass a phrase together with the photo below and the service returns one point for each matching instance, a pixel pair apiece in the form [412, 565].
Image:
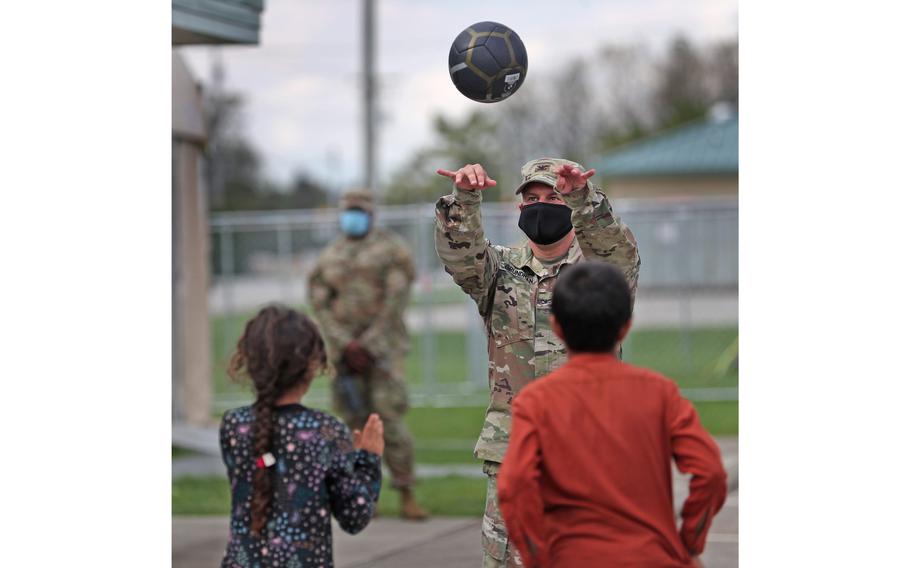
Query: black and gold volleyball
[488, 62]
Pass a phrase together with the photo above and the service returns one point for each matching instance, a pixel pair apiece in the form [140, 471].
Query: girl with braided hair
[292, 468]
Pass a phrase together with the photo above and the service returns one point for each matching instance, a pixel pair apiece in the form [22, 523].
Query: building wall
[191, 290]
[192, 366]
[200, 22]
[677, 186]
[215, 22]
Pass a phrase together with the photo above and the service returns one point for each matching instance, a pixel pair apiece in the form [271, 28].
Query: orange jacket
[586, 479]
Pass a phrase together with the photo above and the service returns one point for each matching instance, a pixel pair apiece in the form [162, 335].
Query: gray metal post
[369, 96]
[285, 261]
[428, 337]
[685, 301]
[176, 329]
[226, 242]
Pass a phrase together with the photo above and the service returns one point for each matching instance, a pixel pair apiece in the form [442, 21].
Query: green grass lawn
[201, 496]
[445, 496]
[451, 496]
[688, 358]
[442, 436]
[178, 452]
[436, 444]
[447, 435]
[720, 418]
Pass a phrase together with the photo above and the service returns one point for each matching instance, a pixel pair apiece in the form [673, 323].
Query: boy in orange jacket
[586, 479]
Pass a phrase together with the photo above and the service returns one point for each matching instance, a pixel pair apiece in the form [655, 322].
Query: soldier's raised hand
[470, 177]
[569, 178]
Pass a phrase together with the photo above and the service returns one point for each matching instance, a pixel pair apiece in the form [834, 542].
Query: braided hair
[280, 349]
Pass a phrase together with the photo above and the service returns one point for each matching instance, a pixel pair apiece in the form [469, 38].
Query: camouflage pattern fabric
[513, 291]
[498, 551]
[543, 170]
[358, 199]
[385, 393]
[359, 289]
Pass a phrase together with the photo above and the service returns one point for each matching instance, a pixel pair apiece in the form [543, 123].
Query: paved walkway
[198, 542]
[441, 542]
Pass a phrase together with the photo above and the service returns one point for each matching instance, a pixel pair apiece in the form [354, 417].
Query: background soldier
[358, 291]
[566, 220]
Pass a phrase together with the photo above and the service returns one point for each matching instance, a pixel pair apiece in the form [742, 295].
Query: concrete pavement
[198, 542]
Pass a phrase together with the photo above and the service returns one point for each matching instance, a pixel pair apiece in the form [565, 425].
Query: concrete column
[193, 345]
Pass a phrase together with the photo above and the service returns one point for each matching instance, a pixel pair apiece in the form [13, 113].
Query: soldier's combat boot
[410, 510]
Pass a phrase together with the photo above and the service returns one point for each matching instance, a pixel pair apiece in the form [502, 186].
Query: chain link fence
[685, 315]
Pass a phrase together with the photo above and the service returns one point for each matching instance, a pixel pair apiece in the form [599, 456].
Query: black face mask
[545, 223]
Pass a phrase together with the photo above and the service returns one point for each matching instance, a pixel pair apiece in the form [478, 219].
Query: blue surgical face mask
[355, 223]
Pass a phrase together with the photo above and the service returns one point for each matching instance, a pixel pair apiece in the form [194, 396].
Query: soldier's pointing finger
[481, 177]
[472, 177]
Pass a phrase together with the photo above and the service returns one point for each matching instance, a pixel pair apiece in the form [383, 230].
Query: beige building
[699, 159]
[213, 22]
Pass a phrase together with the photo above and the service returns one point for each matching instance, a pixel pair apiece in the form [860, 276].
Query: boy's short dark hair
[591, 302]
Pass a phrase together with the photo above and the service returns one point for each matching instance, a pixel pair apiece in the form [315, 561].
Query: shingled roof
[710, 146]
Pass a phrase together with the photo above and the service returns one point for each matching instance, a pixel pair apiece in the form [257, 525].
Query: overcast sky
[303, 106]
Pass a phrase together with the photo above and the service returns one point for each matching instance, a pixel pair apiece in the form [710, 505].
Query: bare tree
[628, 77]
[723, 60]
[595, 104]
[520, 133]
[682, 93]
[572, 124]
[561, 121]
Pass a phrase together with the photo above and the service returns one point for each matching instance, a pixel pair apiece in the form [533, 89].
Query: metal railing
[686, 311]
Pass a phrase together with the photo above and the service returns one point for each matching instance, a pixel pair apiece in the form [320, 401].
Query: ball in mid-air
[488, 62]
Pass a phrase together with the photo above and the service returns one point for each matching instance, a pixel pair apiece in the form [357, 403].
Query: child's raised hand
[371, 438]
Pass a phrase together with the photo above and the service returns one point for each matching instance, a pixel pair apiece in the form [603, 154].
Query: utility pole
[369, 97]
[215, 110]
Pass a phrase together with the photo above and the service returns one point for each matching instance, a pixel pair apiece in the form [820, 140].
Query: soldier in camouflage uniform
[567, 220]
[358, 292]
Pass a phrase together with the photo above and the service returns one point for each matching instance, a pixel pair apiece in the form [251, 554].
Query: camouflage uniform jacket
[513, 290]
[359, 289]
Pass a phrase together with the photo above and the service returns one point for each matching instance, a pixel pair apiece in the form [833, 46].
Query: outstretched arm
[601, 235]
[354, 478]
[460, 242]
